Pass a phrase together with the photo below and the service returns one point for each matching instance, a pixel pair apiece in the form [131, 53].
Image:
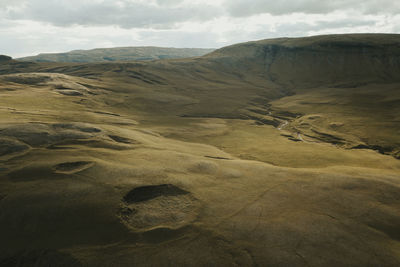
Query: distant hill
[316, 60]
[119, 54]
[5, 58]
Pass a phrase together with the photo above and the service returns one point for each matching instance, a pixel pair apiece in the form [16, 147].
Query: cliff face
[319, 60]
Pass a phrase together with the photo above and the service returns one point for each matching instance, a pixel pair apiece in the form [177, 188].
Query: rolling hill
[280, 152]
[119, 54]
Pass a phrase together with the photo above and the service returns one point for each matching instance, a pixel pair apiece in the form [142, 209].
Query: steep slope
[320, 60]
[119, 54]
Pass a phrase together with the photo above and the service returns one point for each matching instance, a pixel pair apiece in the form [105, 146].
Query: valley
[281, 152]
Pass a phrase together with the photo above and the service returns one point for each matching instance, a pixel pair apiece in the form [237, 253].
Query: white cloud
[247, 8]
[123, 13]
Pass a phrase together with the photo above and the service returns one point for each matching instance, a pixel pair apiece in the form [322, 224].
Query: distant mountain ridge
[324, 59]
[119, 54]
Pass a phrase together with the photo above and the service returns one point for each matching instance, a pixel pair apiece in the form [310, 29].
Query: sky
[30, 27]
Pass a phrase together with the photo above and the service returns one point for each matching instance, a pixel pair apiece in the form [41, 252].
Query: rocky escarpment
[313, 61]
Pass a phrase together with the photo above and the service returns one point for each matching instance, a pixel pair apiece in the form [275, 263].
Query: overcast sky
[29, 27]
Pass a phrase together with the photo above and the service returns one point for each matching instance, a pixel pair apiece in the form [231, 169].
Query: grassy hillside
[260, 153]
[343, 80]
[119, 54]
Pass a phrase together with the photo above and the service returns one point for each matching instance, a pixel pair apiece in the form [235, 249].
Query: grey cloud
[165, 14]
[296, 29]
[299, 29]
[169, 2]
[243, 8]
[124, 13]
[180, 39]
[6, 3]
